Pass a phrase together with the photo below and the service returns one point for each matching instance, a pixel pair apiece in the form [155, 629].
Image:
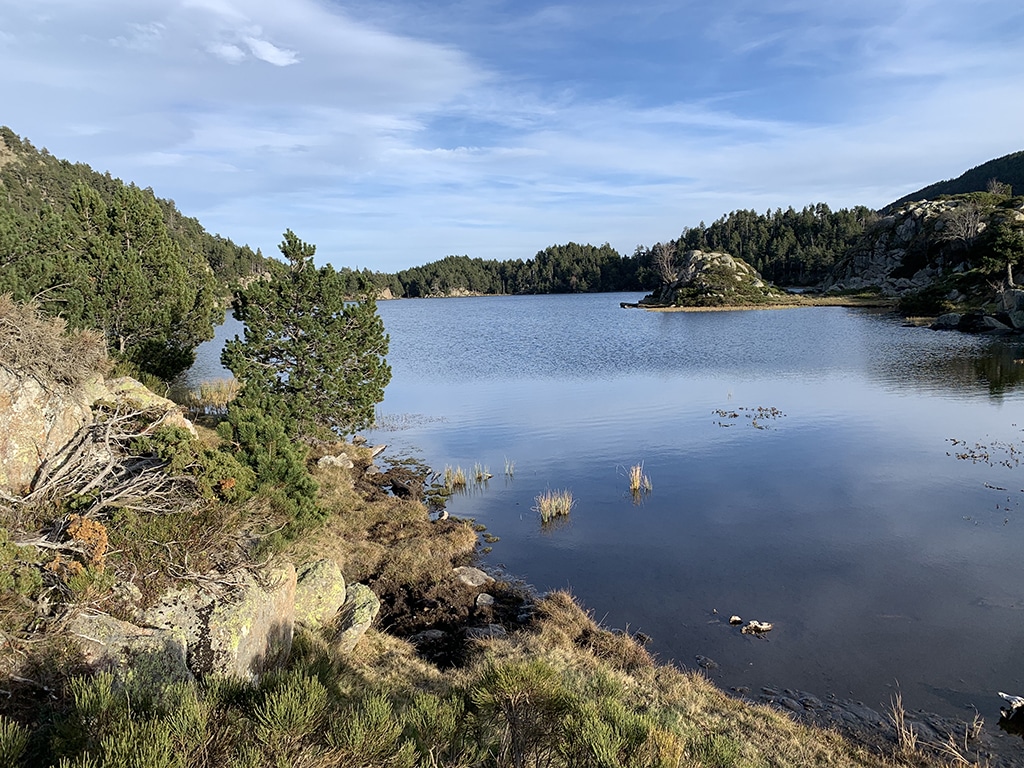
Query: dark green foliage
[19, 567]
[321, 357]
[13, 741]
[1007, 170]
[569, 268]
[526, 703]
[256, 428]
[786, 247]
[217, 474]
[111, 256]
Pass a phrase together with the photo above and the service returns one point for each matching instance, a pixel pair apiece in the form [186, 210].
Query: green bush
[217, 474]
[262, 443]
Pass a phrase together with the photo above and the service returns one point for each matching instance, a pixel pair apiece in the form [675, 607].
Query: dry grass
[554, 504]
[454, 479]
[906, 736]
[32, 344]
[639, 483]
[212, 398]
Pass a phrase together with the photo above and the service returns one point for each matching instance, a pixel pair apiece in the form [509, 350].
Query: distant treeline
[788, 247]
[108, 255]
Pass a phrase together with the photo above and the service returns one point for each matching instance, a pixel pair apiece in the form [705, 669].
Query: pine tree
[321, 357]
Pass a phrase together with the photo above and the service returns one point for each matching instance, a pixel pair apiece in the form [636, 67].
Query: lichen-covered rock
[472, 577]
[137, 396]
[147, 657]
[241, 633]
[36, 421]
[713, 279]
[355, 617]
[341, 461]
[319, 593]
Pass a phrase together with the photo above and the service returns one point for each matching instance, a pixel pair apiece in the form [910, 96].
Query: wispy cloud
[392, 133]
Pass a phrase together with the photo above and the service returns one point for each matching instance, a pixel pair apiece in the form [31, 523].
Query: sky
[392, 133]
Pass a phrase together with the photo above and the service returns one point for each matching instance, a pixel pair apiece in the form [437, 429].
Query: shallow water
[877, 555]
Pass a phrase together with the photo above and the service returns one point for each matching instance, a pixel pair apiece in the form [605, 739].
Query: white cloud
[405, 137]
[270, 53]
[228, 51]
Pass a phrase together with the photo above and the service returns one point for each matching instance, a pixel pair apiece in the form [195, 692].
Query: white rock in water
[756, 628]
[734, 620]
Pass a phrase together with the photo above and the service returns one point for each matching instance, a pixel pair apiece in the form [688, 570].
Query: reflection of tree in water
[997, 369]
[1003, 370]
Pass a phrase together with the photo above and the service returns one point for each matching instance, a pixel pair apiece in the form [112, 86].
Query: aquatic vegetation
[481, 474]
[510, 467]
[554, 504]
[757, 416]
[454, 479]
[639, 483]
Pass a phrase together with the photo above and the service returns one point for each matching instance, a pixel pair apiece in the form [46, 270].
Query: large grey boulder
[36, 421]
[242, 632]
[355, 617]
[319, 593]
[139, 656]
[1013, 305]
[472, 577]
[947, 322]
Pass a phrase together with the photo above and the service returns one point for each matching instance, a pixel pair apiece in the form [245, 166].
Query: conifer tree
[320, 356]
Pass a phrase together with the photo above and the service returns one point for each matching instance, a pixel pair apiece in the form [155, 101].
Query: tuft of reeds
[454, 479]
[906, 736]
[639, 482]
[481, 474]
[553, 504]
[510, 467]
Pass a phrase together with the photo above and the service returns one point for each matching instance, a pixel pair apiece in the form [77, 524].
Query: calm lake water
[844, 521]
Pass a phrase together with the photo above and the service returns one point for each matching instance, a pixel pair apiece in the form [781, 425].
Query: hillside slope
[1008, 169]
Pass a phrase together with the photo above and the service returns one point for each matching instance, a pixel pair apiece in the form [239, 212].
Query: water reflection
[845, 523]
[982, 366]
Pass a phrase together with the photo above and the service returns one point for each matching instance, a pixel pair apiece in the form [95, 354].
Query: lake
[840, 513]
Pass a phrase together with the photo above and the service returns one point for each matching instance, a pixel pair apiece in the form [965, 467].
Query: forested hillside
[787, 247]
[993, 176]
[109, 255]
[569, 268]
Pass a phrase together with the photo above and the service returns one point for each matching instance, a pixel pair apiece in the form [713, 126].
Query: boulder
[472, 577]
[341, 461]
[126, 390]
[947, 322]
[991, 324]
[36, 421]
[241, 633]
[355, 617]
[1013, 305]
[319, 593]
[146, 657]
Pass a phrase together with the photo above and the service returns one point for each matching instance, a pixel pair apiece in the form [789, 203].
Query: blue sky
[394, 132]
